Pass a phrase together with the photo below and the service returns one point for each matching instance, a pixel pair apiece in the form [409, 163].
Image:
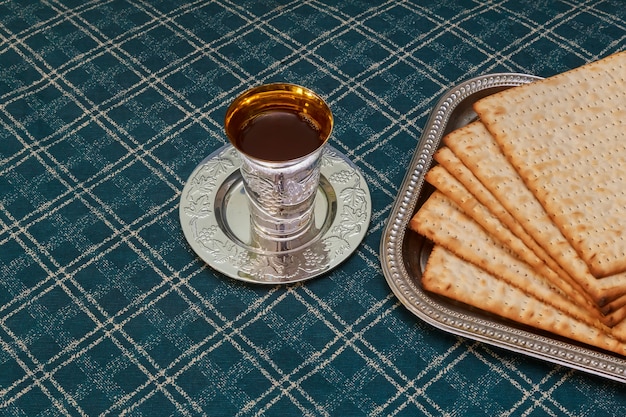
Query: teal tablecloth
[106, 107]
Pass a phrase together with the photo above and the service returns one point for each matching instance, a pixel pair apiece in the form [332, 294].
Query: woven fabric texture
[107, 106]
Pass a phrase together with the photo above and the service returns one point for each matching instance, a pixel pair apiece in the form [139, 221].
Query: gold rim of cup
[277, 96]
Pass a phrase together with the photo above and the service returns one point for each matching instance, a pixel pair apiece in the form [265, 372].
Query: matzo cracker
[450, 276]
[566, 137]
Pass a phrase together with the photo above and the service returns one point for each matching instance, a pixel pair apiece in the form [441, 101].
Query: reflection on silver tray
[403, 254]
[215, 220]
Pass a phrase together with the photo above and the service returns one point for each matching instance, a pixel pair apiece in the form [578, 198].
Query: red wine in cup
[279, 135]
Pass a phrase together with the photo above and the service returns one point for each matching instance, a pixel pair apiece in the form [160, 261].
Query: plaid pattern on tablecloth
[105, 109]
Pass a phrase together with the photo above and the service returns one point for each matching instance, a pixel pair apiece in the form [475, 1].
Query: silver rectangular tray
[404, 253]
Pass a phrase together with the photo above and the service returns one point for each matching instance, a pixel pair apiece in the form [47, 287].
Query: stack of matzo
[529, 213]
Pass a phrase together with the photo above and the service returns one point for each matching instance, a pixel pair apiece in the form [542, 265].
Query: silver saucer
[216, 221]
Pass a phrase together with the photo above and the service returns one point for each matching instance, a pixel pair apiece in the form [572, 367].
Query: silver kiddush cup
[280, 132]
